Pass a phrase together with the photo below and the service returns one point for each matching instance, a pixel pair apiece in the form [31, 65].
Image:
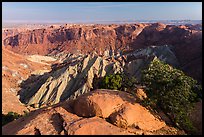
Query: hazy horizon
[73, 12]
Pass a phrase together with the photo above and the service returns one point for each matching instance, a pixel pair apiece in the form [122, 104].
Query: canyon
[115, 38]
[51, 73]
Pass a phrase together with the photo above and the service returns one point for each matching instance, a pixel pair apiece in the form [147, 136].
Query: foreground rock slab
[100, 112]
[100, 103]
[95, 126]
[120, 107]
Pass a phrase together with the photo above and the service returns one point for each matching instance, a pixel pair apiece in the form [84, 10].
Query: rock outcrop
[70, 80]
[79, 54]
[95, 126]
[72, 38]
[76, 74]
[95, 103]
[123, 111]
[61, 119]
[99, 38]
[137, 116]
[15, 69]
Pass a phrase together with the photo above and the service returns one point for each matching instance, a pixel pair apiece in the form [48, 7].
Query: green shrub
[112, 81]
[10, 116]
[118, 81]
[172, 91]
[129, 83]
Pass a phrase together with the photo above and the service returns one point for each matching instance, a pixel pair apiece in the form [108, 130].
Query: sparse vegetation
[10, 116]
[112, 81]
[172, 91]
[118, 81]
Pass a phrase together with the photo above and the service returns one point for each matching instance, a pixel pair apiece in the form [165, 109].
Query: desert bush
[10, 116]
[112, 81]
[118, 81]
[129, 83]
[172, 91]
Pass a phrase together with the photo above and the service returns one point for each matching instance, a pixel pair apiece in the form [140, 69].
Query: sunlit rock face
[106, 40]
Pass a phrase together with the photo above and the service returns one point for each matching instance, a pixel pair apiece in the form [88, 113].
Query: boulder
[136, 116]
[100, 103]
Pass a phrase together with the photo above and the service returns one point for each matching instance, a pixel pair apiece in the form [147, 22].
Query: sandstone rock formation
[68, 81]
[71, 38]
[95, 126]
[77, 54]
[75, 76]
[15, 69]
[99, 38]
[60, 119]
[9, 33]
[120, 111]
[95, 103]
[137, 116]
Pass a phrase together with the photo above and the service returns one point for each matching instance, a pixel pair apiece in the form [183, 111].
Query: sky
[99, 11]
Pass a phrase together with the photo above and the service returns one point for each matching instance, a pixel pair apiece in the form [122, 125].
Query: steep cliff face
[82, 38]
[102, 37]
[9, 32]
[186, 41]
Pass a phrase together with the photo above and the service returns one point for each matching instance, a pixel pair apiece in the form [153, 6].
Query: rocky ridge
[75, 76]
